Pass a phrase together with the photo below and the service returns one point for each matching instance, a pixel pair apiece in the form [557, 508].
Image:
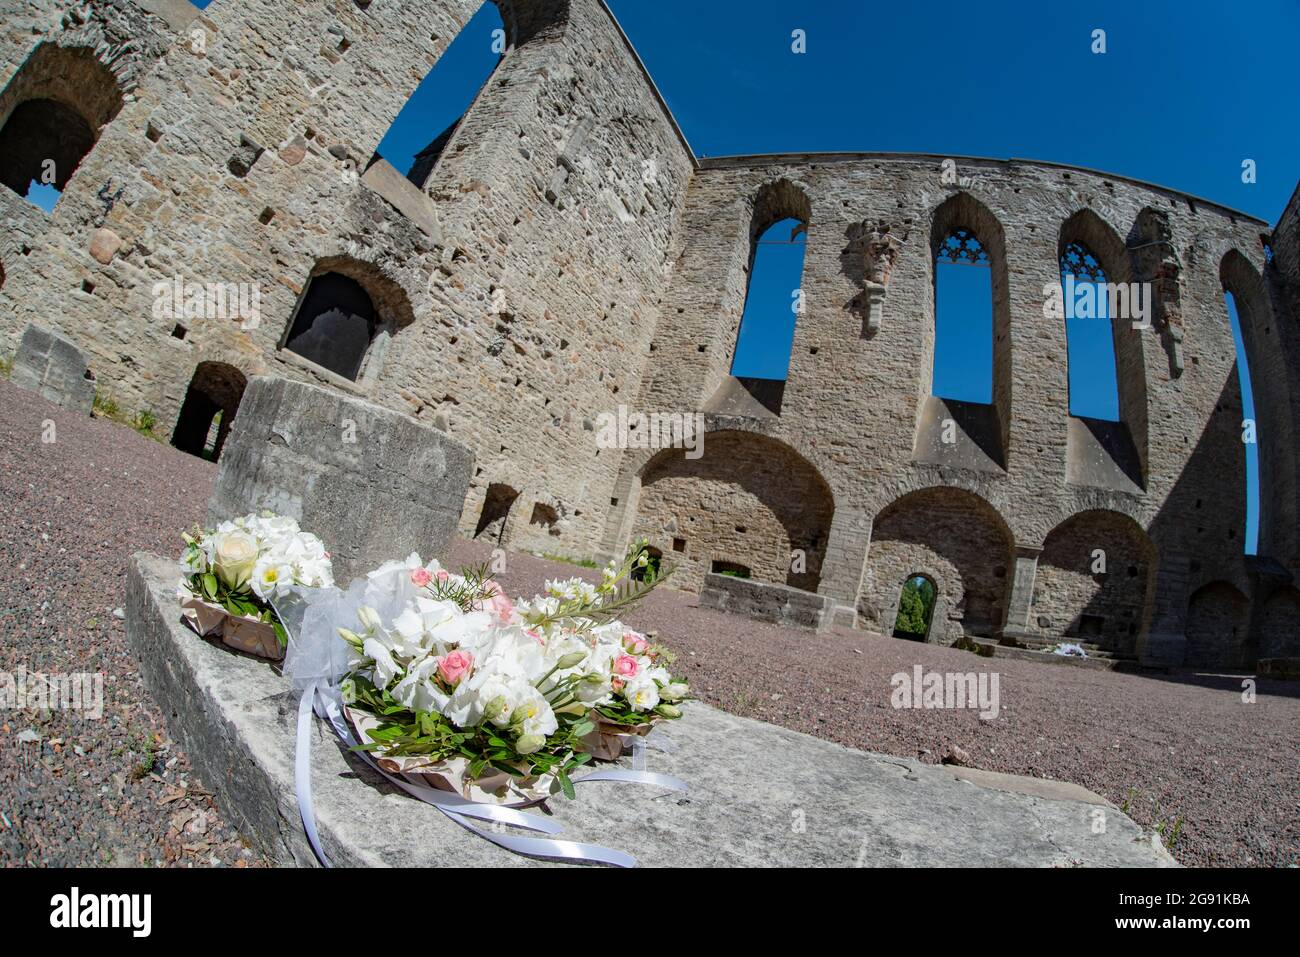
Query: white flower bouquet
[500, 701]
[1070, 650]
[231, 576]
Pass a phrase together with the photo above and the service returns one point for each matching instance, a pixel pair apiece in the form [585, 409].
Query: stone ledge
[403, 195]
[1283, 669]
[235, 717]
[764, 601]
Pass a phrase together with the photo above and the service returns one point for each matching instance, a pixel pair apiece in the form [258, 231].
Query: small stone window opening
[545, 516]
[334, 325]
[654, 562]
[679, 544]
[731, 569]
[1090, 626]
[345, 317]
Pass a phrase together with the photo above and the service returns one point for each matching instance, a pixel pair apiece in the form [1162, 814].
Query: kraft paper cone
[245, 634]
[606, 741]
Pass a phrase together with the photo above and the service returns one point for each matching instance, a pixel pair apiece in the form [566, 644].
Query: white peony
[271, 579]
[641, 693]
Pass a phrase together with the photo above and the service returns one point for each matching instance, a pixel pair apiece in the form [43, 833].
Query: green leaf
[566, 785]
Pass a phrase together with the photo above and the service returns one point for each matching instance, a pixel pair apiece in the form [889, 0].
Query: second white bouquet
[232, 574]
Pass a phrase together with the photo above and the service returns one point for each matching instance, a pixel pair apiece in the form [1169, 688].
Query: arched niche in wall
[208, 411]
[466, 66]
[749, 499]
[1265, 374]
[51, 114]
[773, 300]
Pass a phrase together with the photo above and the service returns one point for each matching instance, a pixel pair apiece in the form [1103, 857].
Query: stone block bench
[759, 795]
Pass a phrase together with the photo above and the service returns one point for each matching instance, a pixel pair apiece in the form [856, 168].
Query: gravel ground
[112, 791]
[118, 791]
[1167, 749]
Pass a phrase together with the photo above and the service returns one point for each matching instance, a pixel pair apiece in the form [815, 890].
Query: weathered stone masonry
[562, 252]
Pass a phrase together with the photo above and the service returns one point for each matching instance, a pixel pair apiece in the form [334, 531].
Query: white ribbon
[326, 702]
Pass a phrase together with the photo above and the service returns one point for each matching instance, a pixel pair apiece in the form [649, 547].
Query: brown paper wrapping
[606, 741]
[493, 787]
[245, 634]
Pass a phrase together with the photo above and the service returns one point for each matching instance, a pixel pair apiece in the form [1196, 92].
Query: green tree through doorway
[915, 607]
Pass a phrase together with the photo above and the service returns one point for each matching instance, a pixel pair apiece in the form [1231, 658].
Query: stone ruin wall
[567, 253]
[579, 276]
[857, 400]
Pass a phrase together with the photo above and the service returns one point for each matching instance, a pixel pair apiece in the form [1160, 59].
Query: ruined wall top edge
[814, 159]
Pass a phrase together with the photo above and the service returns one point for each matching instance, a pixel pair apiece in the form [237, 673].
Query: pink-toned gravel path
[118, 791]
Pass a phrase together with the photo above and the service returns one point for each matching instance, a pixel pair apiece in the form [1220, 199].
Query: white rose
[234, 555]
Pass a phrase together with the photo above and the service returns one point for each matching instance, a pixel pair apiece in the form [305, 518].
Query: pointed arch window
[963, 320]
[773, 302]
[1251, 538]
[1089, 337]
[444, 96]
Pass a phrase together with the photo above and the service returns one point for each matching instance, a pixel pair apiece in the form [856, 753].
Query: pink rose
[626, 666]
[455, 666]
[635, 643]
[617, 684]
[421, 577]
[443, 574]
[498, 604]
